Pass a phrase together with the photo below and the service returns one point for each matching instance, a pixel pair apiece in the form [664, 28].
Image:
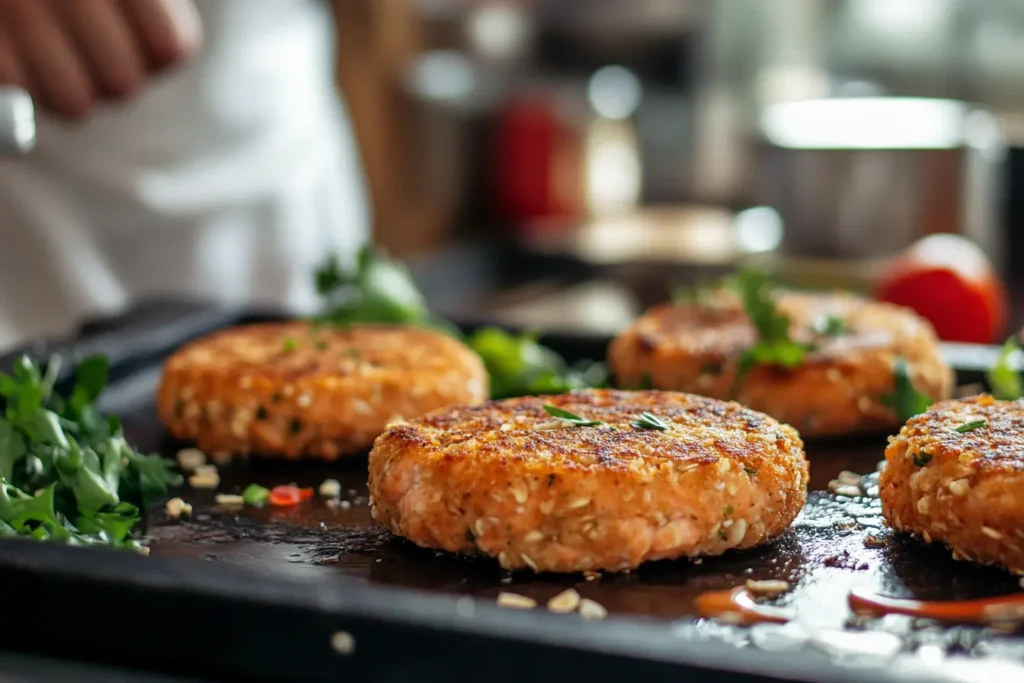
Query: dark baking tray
[258, 596]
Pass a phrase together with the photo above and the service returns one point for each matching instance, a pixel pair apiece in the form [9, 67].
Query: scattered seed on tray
[330, 488]
[515, 601]
[565, 602]
[343, 642]
[204, 481]
[767, 587]
[176, 508]
[190, 459]
[590, 609]
[229, 500]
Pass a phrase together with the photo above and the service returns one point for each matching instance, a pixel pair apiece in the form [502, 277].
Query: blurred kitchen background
[649, 143]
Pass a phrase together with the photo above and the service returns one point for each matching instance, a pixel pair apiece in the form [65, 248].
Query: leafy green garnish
[1003, 379]
[830, 326]
[921, 459]
[289, 344]
[66, 472]
[728, 510]
[970, 426]
[571, 418]
[773, 346]
[905, 400]
[647, 420]
[254, 494]
[382, 291]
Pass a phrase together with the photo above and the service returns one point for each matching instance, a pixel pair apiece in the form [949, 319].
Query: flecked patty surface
[961, 488]
[838, 389]
[296, 390]
[507, 480]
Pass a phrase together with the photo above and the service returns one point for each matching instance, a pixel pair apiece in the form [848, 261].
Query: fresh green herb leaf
[970, 426]
[905, 400]
[1003, 378]
[830, 326]
[254, 494]
[289, 344]
[774, 346]
[647, 420]
[88, 483]
[572, 418]
[751, 471]
[921, 459]
[646, 383]
[728, 510]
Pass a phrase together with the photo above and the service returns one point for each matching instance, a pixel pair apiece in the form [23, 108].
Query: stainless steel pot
[864, 177]
[17, 121]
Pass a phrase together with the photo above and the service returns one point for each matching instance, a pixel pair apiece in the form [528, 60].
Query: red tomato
[283, 496]
[948, 280]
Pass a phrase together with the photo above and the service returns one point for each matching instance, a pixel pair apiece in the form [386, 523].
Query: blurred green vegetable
[905, 400]
[382, 291]
[1003, 378]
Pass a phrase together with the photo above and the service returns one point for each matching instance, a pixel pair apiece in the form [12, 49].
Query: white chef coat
[227, 179]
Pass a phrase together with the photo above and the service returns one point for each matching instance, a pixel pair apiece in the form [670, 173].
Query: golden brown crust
[507, 480]
[836, 390]
[296, 390]
[961, 489]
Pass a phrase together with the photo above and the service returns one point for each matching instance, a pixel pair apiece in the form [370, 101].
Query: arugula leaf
[88, 481]
[1003, 379]
[569, 417]
[905, 400]
[970, 426]
[379, 290]
[773, 346]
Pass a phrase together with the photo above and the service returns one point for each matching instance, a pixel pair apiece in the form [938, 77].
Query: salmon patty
[837, 389]
[294, 389]
[640, 476]
[955, 475]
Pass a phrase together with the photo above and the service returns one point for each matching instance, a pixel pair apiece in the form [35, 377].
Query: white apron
[228, 179]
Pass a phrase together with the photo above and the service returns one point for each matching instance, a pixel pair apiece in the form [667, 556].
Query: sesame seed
[229, 500]
[330, 488]
[343, 642]
[304, 400]
[503, 560]
[737, 532]
[190, 458]
[478, 528]
[713, 534]
[565, 602]
[923, 505]
[515, 601]
[362, 407]
[534, 536]
[204, 481]
[590, 609]
[767, 587]
[288, 390]
[578, 503]
[143, 550]
[344, 505]
[594, 576]
[547, 506]
[529, 561]
[991, 533]
[176, 508]
[519, 492]
[959, 487]
[864, 404]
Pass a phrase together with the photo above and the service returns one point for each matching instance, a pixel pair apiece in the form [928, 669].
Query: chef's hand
[71, 54]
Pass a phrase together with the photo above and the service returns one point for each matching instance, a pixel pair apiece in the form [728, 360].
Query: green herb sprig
[381, 290]
[970, 426]
[66, 472]
[570, 418]
[774, 345]
[1003, 378]
[905, 400]
[647, 420]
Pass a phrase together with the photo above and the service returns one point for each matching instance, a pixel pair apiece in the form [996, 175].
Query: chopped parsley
[970, 426]
[921, 459]
[647, 420]
[728, 510]
[66, 472]
[773, 346]
[1003, 378]
[254, 494]
[751, 471]
[830, 326]
[289, 344]
[570, 418]
[905, 400]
